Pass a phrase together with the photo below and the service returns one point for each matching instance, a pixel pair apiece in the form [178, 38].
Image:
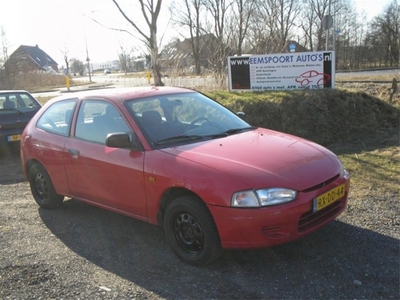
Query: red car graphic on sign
[313, 77]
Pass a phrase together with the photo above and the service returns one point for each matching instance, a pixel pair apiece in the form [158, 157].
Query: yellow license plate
[14, 138]
[329, 197]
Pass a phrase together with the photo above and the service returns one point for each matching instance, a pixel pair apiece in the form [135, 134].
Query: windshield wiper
[185, 138]
[179, 138]
[229, 132]
[238, 130]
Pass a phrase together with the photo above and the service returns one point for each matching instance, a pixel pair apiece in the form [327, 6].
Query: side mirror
[241, 114]
[122, 140]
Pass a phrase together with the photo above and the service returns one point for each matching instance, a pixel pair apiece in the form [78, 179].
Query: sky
[67, 26]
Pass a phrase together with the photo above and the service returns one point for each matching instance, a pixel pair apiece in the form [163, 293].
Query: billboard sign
[283, 71]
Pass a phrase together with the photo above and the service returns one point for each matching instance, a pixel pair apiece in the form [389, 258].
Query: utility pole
[88, 59]
[87, 51]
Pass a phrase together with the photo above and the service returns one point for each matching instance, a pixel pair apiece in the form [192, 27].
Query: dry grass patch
[374, 172]
[324, 116]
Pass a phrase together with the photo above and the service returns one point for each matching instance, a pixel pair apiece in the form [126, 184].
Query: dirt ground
[83, 252]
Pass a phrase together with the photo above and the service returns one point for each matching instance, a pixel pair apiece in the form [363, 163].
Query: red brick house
[179, 54]
[28, 59]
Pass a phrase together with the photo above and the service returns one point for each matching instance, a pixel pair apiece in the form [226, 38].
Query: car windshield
[183, 118]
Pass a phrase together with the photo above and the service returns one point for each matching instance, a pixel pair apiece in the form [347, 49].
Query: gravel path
[82, 252]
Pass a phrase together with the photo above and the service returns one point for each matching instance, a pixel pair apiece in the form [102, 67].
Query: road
[117, 80]
[386, 72]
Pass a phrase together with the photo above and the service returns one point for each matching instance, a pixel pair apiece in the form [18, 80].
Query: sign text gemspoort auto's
[285, 71]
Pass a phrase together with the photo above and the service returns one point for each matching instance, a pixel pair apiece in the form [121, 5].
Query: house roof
[181, 49]
[38, 56]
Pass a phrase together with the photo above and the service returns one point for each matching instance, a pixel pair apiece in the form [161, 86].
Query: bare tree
[386, 30]
[219, 9]
[150, 11]
[281, 16]
[189, 16]
[273, 25]
[242, 12]
[5, 80]
[4, 44]
[65, 53]
[125, 58]
[310, 23]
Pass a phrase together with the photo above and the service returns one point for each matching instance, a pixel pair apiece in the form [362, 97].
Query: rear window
[22, 102]
[57, 118]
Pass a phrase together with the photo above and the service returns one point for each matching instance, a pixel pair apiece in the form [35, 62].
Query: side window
[97, 119]
[9, 101]
[27, 101]
[57, 118]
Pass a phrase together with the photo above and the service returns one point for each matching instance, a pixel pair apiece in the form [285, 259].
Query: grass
[373, 171]
[324, 116]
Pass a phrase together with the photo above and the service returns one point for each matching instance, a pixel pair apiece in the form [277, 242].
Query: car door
[109, 177]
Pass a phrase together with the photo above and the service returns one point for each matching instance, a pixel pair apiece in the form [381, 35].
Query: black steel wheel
[42, 188]
[191, 231]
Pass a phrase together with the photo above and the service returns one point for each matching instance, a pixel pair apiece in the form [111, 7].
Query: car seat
[8, 104]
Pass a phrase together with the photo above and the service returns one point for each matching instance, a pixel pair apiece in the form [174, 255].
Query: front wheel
[191, 231]
[42, 188]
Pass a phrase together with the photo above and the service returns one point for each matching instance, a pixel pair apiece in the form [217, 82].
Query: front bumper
[268, 226]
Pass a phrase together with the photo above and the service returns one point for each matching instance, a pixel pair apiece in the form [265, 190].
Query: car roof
[126, 93]
[13, 91]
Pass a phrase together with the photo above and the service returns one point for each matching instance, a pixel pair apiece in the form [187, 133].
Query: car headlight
[263, 197]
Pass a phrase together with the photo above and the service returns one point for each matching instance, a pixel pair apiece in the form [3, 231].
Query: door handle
[73, 153]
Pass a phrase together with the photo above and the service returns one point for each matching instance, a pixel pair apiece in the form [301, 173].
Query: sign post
[327, 23]
[67, 82]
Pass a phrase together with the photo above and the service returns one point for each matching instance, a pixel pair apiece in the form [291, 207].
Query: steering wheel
[198, 120]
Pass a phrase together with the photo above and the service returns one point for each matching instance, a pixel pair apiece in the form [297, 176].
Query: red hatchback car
[176, 158]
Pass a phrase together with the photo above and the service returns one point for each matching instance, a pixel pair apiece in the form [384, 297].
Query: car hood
[264, 158]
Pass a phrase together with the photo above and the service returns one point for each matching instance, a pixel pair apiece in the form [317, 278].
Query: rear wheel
[191, 231]
[42, 188]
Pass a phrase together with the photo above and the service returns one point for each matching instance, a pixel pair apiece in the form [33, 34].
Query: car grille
[321, 185]
[309, 220]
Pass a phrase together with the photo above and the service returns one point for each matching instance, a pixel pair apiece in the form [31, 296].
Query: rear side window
[19, 101]
[27, 101]
[57, 118]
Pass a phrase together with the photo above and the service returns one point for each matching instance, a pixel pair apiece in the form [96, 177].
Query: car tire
[42, 188]
[191, 232]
